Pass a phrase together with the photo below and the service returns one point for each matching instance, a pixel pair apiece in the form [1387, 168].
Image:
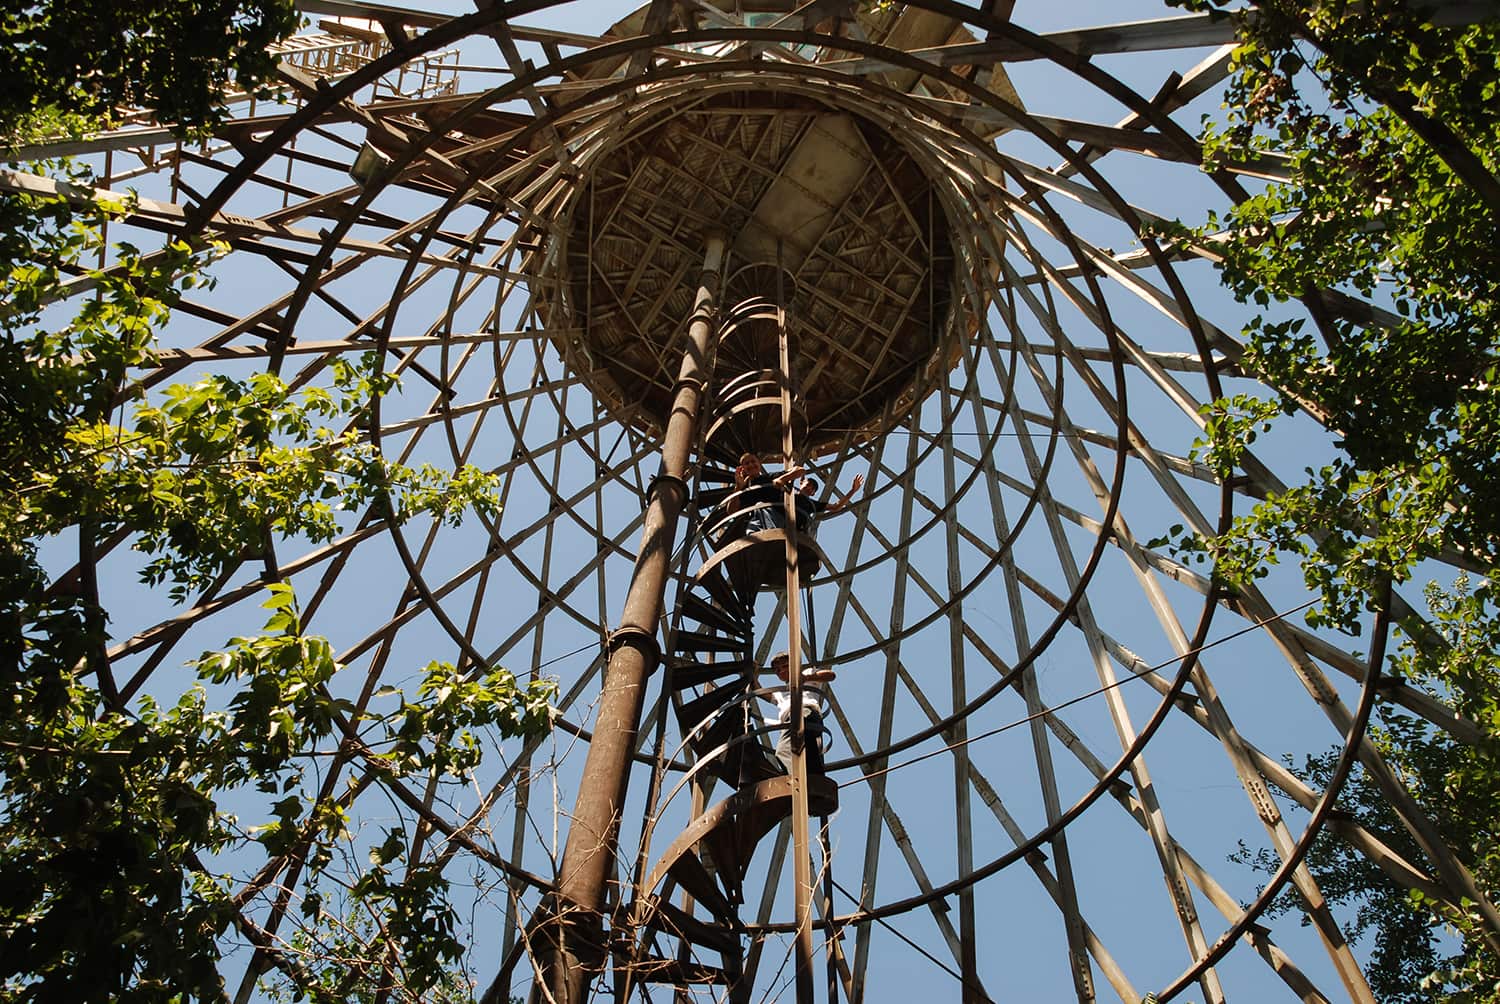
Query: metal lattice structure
[1048, 735]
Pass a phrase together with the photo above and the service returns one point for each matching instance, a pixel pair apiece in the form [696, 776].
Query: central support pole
[571, 948]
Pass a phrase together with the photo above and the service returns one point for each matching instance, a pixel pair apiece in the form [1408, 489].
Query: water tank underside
[825, 212]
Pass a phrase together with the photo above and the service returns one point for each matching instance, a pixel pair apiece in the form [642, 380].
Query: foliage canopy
[134, 829]
[82, 63]
[1385, 232]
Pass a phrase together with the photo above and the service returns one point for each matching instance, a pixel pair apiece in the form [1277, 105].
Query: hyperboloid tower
[911, 242]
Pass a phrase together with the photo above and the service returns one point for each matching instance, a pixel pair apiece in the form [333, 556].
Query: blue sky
[1022, 949]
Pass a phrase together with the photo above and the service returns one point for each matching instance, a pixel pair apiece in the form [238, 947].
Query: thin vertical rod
[832, 940]
[573, 940]
[801, 836]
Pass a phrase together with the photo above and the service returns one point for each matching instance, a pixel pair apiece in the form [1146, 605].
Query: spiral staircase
[711, 678]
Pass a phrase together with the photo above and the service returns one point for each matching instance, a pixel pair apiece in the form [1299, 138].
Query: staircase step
[699, 884]
[707, 498]
[679, 974]
[699, 708]
[716, 735]
[715, 475]
[701, 641]
[695, 674]
[677, 922]
[756, 763]
[718, 586]
[743, 763]
[699, 609]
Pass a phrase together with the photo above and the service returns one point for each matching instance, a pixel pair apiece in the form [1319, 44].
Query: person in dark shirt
[810, 508]
[760, 490]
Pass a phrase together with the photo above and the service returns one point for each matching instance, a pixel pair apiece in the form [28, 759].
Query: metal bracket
[655, 485]
[637, 637]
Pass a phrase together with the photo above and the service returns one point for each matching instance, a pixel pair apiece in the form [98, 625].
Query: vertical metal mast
[801, 850]
[572, 949]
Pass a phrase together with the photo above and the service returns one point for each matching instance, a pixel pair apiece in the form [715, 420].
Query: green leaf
[390, 849]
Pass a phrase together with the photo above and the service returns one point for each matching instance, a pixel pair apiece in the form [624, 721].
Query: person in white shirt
[813, 681]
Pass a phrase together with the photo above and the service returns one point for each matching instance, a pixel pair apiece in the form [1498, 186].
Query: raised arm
[787, 476]
[840, 504]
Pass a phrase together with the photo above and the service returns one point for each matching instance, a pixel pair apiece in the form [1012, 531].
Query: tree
[1409, 962]
[1385, 233]
[82, 63]
[115, 834]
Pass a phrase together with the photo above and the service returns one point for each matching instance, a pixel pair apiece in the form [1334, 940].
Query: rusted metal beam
[571, 938]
